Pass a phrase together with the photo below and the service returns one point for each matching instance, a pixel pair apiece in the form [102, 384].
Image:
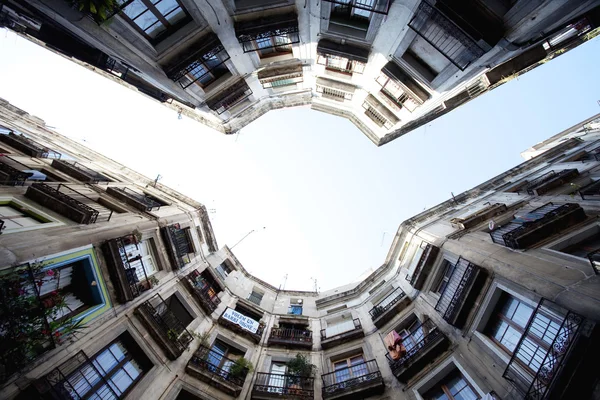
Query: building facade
[113, 286]
[389, 66]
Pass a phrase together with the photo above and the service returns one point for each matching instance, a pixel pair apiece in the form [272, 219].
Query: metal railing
[456, 291]
[558, 329]
[285, 385]
[28, 146]
[167, 323]
[376, 6]
[350, 378]
[81, 171]
[181, 245]
[13, 177]
[204, 291]
[591, 190]
[443, 34]
[211, 362]
[150, 203]
[134, 267]
[509, 234]
[232, 99]
[551, 179]
[102, 213]
[387, 303]
[1, 226]
[422, 339]
[420, 265]
[291, 335]
[357, 326]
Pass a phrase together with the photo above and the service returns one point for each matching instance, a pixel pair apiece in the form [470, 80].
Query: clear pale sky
[330, 201]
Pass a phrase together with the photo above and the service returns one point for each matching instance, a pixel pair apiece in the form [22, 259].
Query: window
[295, 307]
[348, 20]
[350, 368]
[396, 93]
[447, 269]
[223, 270]
[412, 336]
[206, 70]
[256, 297]
[273, 46]
[452, 387]
[17, 217]
[110, 373]
[155, 19]
[507, 324]
[221, 355]
[584, 247]
[140, 258]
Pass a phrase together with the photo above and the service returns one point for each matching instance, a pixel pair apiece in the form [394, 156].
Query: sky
[313, 201]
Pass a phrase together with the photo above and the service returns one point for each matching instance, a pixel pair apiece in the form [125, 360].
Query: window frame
[348, 366]
[161, 19]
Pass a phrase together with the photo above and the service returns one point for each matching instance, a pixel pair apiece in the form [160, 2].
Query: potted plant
[240, 368]
[299, 367]
[99, 10]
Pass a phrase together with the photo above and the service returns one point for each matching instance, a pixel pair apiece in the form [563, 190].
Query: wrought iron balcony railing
[443, 34]
[352, 379]
[79, 172]
[28, 146]
[376, 6]
[549, 181]
[284, 386]
[142, 202]
[126, 271]
[10, 176]
[230, 97]
[591, 191]
[387, 303]
[165, 327]
[425, 337]
[204, 291]
[422, 268]
[538, 359]
[289, 336]
[452, 300]
[178, 245]
[272, 32]
[594, 258]
[211, 363]
[537, 225]
[68, 202]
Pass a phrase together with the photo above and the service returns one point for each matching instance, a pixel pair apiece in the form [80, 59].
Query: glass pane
[166, 6]
[120, 381]
[154, 30]
[175, 16]
[522, 314]
[511, 338]
[146, 20]
[134, 9]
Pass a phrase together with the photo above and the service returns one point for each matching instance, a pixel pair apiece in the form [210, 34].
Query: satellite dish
[491, 225]
[299, 301]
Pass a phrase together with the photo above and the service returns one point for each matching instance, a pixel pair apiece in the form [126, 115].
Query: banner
[240, 319]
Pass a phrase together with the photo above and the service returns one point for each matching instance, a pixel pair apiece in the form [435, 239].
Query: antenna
[315, 283]
[284, 282]
[157, 178]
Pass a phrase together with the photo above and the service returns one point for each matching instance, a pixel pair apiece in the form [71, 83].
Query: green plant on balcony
[299, 367]
[240, 368]
[100, 10]
[30, 325]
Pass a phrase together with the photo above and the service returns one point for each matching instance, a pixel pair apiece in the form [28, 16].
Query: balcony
[480, 216]
[164, 327]
[69, 203]
[422, 347]
[387, 308]
[281, 74]
[342, 333]
[549, 181]
[28, 146]
[277, 386]
[591, 191]
[178, 245]
[376, 6]
[538, 225]
[10, 176]
[379, 113]
[126, 272]
[356, 382]
[291, 338]
[229, 97]
[245, 332]
[423, 267]
[203, 290]
[443, 34]
[204, 365]
[459, 295]
[79, 172]
[277, 32]
[327, 48]
[334, 90]
[553, 356]
[139, 201]
[411, 87]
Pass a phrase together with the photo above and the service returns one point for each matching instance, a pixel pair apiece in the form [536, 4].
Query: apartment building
[389, 66]
[113, 286]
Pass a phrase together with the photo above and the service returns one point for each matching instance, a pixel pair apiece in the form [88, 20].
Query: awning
[376, 104]
[330, 83]
[342, 50]
[209, 43]
[294, 67]
[393, 71]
